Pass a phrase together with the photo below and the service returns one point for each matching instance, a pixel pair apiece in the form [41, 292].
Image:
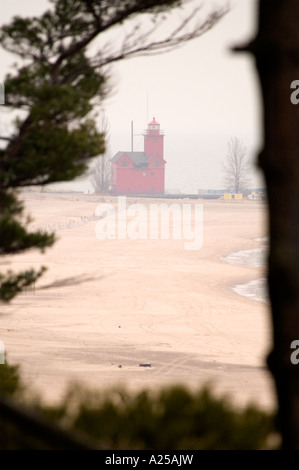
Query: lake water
[257, 288]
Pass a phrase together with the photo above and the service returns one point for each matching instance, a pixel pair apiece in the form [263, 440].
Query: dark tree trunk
[276, 49]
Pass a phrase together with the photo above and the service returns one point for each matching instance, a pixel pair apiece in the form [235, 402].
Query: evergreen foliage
[172, 418]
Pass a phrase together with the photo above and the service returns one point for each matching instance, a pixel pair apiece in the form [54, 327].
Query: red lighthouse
[153, 139]
[141, 172]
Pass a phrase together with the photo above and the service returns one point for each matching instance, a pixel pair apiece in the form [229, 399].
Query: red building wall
[133, 180]
[143, 181]
[153, 143]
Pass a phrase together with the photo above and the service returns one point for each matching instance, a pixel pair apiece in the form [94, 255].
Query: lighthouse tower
[154, 140]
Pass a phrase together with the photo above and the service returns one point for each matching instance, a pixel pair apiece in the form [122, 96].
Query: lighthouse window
[124, 163]
[157, 163]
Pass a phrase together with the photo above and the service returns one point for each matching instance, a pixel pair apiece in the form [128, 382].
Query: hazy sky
[202, 94]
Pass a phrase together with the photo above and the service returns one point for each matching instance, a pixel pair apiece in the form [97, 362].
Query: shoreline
[254, 289]
[116, 304]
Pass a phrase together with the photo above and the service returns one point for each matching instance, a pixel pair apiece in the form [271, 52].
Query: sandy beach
[104, 307]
